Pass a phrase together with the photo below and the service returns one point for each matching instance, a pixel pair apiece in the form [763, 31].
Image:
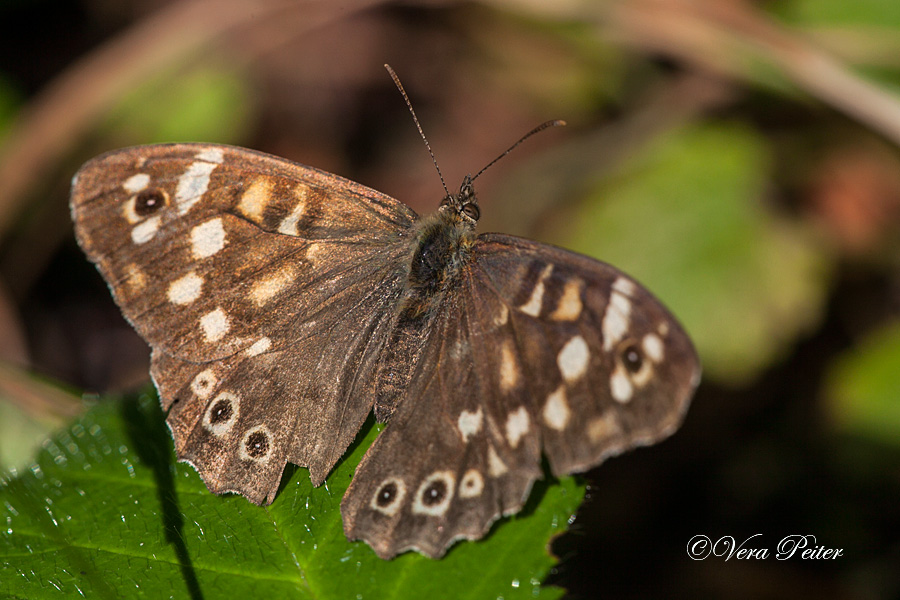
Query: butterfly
[283, 304]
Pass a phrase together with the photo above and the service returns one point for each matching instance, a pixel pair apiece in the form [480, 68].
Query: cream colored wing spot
[289, 225]
[617, 317]
[556, 409]
[269, 286]
[624, 286]
[207, 238]
[312, 252]
[603, 427]
[532, 306]
[517, 425]
[192, 184]
[185, 290]
[502, 317]
[204, 383]
[259, 346]
[509, 368]
[620, 385]
[136, 183]
[496, 466]
[469, 423]
[256, 198]
[214, 325]
[129, 212]
[134, 279]
[212, 154]
[653, 348]
[569, 306]
[471, 485]
[573, 359]
[145, 231]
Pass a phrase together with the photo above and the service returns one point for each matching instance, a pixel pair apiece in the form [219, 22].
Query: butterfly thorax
[440, 248]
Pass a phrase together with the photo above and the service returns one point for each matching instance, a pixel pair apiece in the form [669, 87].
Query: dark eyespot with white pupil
[632, 358]
[221, 412]
[434, 493]
[149, 201]
[472, 211]
[257, 444]
[386, 495]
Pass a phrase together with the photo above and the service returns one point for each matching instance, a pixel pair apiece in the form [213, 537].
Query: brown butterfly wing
[265, 289]
[199, 242]
[535, 349]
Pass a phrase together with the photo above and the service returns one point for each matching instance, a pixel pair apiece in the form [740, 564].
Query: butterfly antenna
[418, 126]
[539, 128]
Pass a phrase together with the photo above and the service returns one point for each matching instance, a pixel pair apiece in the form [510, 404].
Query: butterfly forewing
[606, 362]
[184, 235]
[265, 288]
[535, 348]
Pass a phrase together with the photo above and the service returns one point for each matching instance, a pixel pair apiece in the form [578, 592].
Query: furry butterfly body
[283, 304]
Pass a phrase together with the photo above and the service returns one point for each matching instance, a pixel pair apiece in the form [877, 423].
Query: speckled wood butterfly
[284, 303]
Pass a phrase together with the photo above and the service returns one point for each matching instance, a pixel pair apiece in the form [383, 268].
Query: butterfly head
[463, 205]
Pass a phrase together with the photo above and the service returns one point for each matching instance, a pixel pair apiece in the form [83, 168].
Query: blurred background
[738, 157]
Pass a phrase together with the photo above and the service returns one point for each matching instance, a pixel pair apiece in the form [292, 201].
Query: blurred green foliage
[839, 13]
[10, 102]
[203, 103]
[864, 387]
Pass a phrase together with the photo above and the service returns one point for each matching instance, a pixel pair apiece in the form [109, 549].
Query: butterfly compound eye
[149, 201]
[472, 211]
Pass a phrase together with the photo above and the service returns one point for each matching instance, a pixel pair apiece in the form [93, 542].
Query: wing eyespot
[386, 495]
[632, 358]
[257, 444]
[389, 496]
[150, 201]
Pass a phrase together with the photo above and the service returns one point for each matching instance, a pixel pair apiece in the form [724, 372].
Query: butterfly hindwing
[266, 290]
[534, 349]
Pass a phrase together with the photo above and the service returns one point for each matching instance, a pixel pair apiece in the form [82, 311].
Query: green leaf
[106, 513]
[863, 387]
[686, 218]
